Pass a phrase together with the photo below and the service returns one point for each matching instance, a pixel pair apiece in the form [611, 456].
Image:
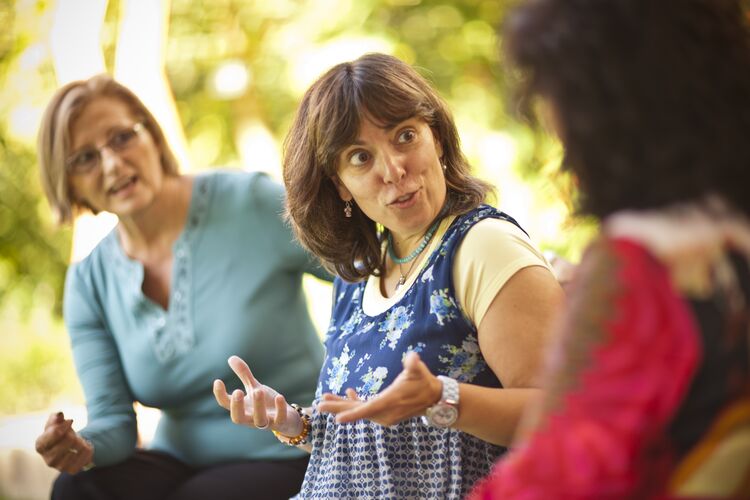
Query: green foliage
[284, 44]
[34, 373]
[33, 253]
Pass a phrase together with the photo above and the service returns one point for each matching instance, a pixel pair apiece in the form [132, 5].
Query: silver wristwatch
[445, 412]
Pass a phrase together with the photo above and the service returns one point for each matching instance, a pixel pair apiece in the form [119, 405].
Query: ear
[343, 191]
[438, 143]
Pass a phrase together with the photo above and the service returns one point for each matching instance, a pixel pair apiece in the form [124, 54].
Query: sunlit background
[223, 77]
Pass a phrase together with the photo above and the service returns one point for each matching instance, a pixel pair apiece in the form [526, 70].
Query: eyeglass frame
[134, 129]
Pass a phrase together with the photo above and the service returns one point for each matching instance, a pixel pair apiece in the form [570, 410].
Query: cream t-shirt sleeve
[490, 253]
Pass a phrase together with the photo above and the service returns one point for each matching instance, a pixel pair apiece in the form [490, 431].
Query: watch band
[450, 390]
[444, 413]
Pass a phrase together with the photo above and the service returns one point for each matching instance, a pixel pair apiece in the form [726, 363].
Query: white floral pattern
[395, 323]
[338, 372]
[373, 379]
[464, 362]
[408, 460]
[443, 306]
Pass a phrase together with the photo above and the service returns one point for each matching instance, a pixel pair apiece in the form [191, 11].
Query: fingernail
[59, 414]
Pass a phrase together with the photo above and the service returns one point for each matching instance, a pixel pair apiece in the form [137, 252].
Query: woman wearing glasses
[198, 268]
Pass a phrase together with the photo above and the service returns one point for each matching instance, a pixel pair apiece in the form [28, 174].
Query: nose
[393, 167]
[109, 160]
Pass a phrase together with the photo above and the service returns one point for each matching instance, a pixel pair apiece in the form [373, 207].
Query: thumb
[55, 418]
[413, 365]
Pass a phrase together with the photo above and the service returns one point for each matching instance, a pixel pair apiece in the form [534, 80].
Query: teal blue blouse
[236, 289]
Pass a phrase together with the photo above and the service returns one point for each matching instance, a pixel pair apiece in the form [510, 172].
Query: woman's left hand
[411, 393]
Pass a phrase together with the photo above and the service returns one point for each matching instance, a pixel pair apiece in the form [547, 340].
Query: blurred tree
[237, 69]
[33, 253]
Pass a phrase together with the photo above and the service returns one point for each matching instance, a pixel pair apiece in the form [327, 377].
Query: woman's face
[394, 175]
[114, 163]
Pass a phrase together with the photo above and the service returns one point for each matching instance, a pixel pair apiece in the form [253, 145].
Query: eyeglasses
[87, 159]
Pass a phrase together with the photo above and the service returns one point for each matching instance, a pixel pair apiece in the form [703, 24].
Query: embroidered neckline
[172, 329]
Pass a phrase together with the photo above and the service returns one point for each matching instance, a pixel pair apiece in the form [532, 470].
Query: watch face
[443, 415]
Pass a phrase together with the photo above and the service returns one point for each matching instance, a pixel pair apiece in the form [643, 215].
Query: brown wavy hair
[651, 97]
[53, 141]
[328, 120]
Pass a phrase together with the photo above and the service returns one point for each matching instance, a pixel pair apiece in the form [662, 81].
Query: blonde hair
[53, 144]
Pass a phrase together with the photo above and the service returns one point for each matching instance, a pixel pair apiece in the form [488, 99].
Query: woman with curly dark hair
[649, 392]
[441, 309]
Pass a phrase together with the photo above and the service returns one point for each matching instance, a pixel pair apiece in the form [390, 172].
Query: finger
[61, 455]
[52, 436]
[338, 407]
[62, 460]
[281, 409]
[237, 408]
[73, 456]
[413, 363]
[260, 418]
[332, 397]
[54, 418]
[83, 457]
[239, 367]
[221, 395]
[363, 410]
[352, 394]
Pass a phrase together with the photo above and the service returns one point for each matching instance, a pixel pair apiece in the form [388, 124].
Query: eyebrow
[386, 128]
[108, 135]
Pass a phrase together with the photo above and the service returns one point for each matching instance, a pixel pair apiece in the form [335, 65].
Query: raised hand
[260, 406]
[411, 393]
[60, 446]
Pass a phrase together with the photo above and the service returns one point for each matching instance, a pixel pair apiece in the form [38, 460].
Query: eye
[406, 136]
[358, 158]
[84, 160]
[122, 138]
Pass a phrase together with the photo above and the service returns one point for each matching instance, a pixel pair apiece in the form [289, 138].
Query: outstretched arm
[512, 337]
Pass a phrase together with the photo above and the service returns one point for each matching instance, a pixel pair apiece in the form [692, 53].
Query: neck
[412, 246]
[159, 225]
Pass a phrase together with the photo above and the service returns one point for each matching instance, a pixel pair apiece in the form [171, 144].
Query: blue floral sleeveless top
[408, 460]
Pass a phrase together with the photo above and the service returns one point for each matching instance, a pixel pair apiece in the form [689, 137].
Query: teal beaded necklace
[422, 244]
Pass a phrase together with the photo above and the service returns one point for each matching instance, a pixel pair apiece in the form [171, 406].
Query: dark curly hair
[328, 120]
[651, 97]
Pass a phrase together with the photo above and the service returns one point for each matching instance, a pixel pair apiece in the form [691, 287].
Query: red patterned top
[625, 362]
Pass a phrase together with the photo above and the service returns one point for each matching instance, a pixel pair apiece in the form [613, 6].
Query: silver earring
[444, 167]
[348, 209]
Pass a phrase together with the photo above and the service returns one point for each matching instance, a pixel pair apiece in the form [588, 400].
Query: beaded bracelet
[302, 437]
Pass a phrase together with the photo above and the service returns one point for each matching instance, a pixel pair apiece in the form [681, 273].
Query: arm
[516, 300]
[111, 420]
[512, 337]
[621, 367]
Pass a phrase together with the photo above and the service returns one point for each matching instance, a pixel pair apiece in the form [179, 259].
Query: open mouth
[404, 199]
[122, 185]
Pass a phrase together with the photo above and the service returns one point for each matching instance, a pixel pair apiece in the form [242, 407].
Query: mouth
[403, 200]
[121, 185]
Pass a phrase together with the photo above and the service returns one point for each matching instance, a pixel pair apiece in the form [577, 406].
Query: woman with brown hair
[198, 267]
[441, 308]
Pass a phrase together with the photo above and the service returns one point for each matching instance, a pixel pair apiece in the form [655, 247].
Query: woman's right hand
[259, 406]
[61, 447]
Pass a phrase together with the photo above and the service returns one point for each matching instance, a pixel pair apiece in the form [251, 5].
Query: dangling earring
[348, 209]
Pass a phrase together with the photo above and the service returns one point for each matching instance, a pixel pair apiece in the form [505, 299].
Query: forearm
[114, 438]
[493, 414]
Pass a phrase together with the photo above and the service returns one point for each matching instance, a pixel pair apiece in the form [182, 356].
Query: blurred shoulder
[242, 186]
